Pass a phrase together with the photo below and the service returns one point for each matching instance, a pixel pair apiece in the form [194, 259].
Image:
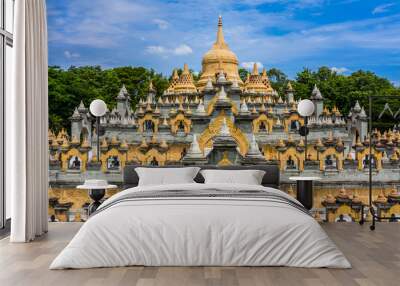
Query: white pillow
[166, 176]
[248, 177]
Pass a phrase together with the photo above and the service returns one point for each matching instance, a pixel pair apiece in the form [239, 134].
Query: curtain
[27, 123]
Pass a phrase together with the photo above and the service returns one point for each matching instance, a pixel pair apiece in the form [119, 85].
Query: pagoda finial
[200, 109]
[185, 69]
[254, 145]
[316, 93]
[255, 69]
[222, 94]
[224, 131]
[76, 115]
[122, 93]
[264, 73]
[175, 74]
[194, 146]
[123, 89]
[220, 34]
[81, 106]
[151, 87]
[209, 85]
[289, 87]
[243, 107]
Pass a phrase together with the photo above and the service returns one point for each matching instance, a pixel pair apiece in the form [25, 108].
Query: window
[6, 62]
[149, 126]
[294, 125]
[263, 127]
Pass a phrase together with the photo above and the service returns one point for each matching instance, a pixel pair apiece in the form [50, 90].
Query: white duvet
[200, 231]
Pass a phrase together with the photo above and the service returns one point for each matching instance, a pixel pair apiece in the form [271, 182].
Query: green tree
[343, 91]
[278, 80]
[243, 74]
[67, 87]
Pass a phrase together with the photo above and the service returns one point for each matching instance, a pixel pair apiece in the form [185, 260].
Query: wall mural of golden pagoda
[223, 120]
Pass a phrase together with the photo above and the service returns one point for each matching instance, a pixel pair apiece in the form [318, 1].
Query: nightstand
[97, 190]
[305, 190]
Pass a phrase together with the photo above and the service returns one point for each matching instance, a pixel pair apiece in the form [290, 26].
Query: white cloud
[303, 4]
[126, 29]
[382, 8]
[157, 50]
[161, 50]
[183, 50]
[396, 83]
[339, 70]
[290, 3]
[327, 42]
[162, 24]
[249, 65]
[104, 25]
[71, 55]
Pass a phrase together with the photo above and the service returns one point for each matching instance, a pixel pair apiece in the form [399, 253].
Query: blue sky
[345, 35]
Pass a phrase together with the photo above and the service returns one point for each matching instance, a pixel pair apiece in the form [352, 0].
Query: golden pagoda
[258, 83]
[174, 81]
[183, 84]
[218, 58]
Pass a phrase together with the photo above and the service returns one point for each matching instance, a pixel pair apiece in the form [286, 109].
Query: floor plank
[375, 257]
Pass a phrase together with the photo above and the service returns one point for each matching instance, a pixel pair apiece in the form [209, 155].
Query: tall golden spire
[218, 58]
[255, 69]
[220, 35]
[175, 74]
[185, 69]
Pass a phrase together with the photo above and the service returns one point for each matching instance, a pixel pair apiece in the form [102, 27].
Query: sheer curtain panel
[27, 123]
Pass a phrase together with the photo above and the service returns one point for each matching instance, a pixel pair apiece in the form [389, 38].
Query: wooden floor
[375, 257]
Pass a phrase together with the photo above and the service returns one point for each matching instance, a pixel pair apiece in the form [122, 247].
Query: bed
[201, 224]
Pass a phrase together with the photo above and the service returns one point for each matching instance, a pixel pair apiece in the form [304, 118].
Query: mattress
[201, 225]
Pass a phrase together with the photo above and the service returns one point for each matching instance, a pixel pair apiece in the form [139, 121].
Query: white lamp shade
[98, 107]
[305, 107]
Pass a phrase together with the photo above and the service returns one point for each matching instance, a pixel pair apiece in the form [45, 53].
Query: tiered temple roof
[256, 83]
[183, 83]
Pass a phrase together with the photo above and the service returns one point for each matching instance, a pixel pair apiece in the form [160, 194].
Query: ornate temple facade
[223, 120]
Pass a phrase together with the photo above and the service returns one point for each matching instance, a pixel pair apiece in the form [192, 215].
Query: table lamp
[98, 108]
[305, 108]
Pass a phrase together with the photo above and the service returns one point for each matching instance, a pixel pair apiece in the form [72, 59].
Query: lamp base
[96, 195]
[305, 193]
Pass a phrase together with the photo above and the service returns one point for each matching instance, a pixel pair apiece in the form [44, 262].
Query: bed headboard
[270, 179]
